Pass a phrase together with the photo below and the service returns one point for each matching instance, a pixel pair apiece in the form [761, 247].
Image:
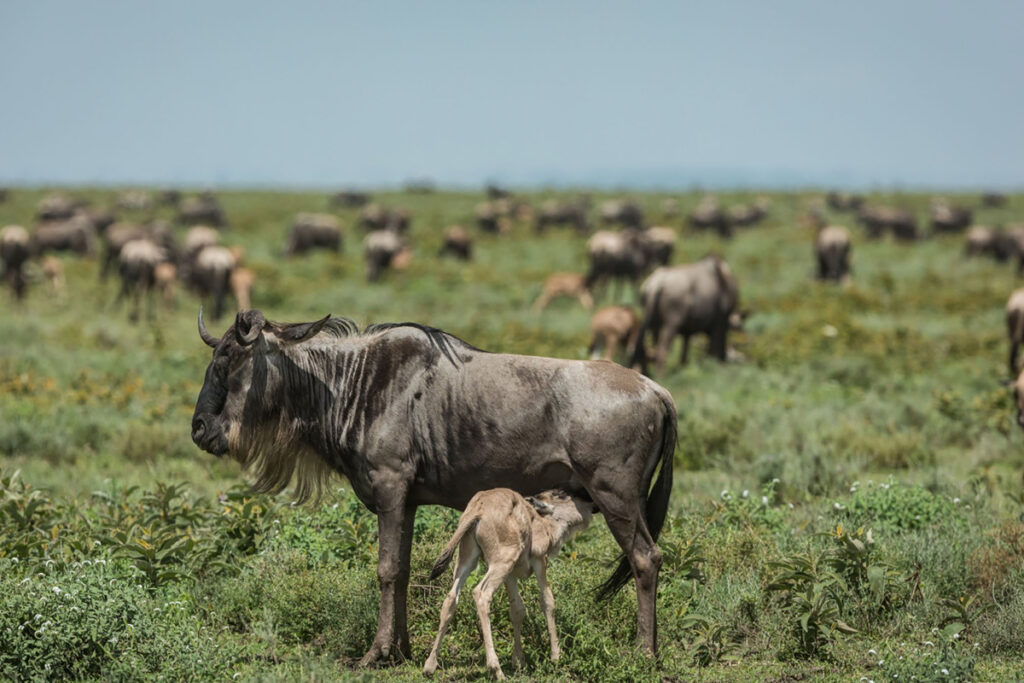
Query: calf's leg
[517, 610]
[482, 595]
[547, 604]
[469, 555]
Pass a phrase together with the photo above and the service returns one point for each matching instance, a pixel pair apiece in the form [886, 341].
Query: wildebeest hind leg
[624, 514]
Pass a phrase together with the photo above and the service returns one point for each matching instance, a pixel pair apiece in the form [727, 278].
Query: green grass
[874, 406]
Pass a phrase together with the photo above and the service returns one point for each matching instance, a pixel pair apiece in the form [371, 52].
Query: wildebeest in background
[625, 213]
[1011, 242]
[616, 256]
[613, 329]
[138, 261]
[659, 242]
[312, 231]
[984, 240]
[15, 249]
[75, 234]
[210, 275]
[457, 242]
[746, 215]
[564, 284]
[670, 209]
[948, 218]
[56, 207]
[381, 251]
[349, 199]
[4, 194]
[879, 219]
[493, 216]
[562, 213]
[168, 196]
[413, 416]
[53, 273]
[832, 252]
[495, 192]
[993, 200]
[166, 275]
[202, 210]
[376, 217]
[134, 200]
[120, 234]
[515, 537]
[1015, 328]
[695, 298]
[709, 215]
[844, 201]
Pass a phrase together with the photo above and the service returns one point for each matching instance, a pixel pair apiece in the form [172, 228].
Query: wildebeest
[210, 275]
[569, 213]
[120, 234]
[658, 243]
[349, 199]
[166, 275]
[626, 213]
[670, 208]
[457, 242]
[983, 240]
[709, 215]
[312, 231]
[376, 217]
[515, 537]
[134, 200]
[15, 249]
[53, 273]
[495, 192]
[138, 261]
[381, 250]
[612, 329]
[4, 194]
[202, 210]
[623, 255]
[948, 218]
[695, 298]
[879, 219]
[75, 234]
[564, 284]
[168, 196]
[832, 252]
[412, 416]
[492, 217]
[844, 201]
[56, 207]
[1015, 328]
[993, 199]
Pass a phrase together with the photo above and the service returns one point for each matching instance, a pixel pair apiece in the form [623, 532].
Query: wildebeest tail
[657, 499]
[466, 523]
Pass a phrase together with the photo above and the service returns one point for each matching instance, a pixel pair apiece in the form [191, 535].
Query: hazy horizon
[916, 95]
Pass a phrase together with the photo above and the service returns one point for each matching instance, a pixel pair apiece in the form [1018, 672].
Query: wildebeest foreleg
[402, 585]
[668, 331]
[391, 522]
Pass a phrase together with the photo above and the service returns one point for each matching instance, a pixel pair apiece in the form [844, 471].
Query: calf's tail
[657, 499]
[466, 523]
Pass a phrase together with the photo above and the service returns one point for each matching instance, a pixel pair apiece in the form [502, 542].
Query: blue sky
[320, 94]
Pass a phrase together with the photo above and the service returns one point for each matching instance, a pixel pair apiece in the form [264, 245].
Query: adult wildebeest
[627, 254]
[626, 213]
[877, 219]
[204, 209]
[376, 217]
[709, 215]
[210, 275]
[993, 199]
[832, 252]
[349, 199]
[493, 216]
[695, 298]
[15, 248]
[120, 234]
[844, 201]
[56, 207]
[554, 212]
[1015, 327]
[983, 240]
[413, 416]
[311, 231]
[138, 260]
[382, 249]
[948, 218]
[457, 242]
[75, 234]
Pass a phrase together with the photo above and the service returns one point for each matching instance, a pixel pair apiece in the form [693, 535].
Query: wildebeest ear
[540, 506]
[301, 331]
[248, 326]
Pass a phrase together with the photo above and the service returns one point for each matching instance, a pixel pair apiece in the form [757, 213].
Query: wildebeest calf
[564, 284]
[611, 329]
[515, 536]
[457, 243]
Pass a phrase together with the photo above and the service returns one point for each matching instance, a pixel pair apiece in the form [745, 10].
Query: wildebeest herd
[407, 413]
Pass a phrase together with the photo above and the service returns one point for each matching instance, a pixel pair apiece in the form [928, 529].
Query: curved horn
[248, 326]
[204, 334]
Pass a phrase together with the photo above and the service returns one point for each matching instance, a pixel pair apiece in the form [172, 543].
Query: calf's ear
[301, 331]
[540, 506]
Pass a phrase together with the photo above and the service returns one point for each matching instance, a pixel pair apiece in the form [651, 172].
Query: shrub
[895, 506]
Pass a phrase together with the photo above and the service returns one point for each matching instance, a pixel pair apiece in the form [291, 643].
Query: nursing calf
[515, 536]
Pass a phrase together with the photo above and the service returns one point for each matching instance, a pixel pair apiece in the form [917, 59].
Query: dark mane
[442, 341]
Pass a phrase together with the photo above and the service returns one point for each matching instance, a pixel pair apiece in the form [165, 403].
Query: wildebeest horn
[204, 334]
[248, 326]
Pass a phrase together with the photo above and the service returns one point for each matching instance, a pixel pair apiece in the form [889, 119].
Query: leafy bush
[895, 506]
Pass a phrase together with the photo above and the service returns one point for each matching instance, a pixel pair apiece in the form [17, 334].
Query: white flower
[837, 506]
[956, 501]
[945, 672]
[57, 590]
[764, 500]
[725, 494]
[956, 636]
[775, 480]
[746, 493]
[872, 651]
[929, 643]
[881, 662]
[829, 331]
[790, 506]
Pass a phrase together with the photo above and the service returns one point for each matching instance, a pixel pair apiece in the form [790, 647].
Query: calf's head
[245, 379]
[573, 513]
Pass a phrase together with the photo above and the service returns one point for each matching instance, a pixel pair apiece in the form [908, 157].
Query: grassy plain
[875, 406]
